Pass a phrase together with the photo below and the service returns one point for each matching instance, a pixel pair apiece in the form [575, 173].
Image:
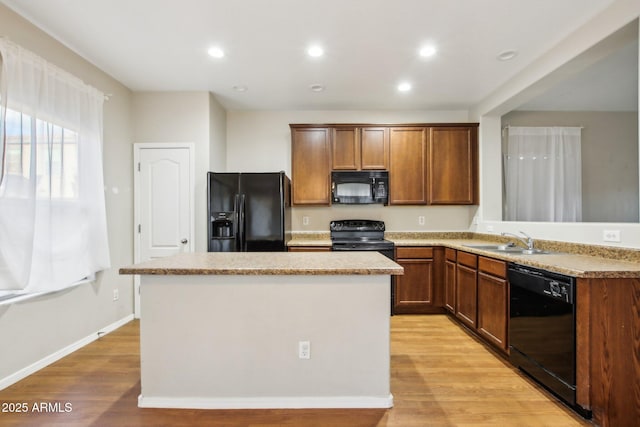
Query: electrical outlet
[116, 295]
[304, 349]
[421, 220]
[490, 228]
[611, 235]
[305, 220]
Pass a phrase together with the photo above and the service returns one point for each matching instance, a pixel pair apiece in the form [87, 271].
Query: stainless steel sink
[510, 249]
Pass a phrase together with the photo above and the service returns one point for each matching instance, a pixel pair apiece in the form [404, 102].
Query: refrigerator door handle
[236, 223]
[242, 224]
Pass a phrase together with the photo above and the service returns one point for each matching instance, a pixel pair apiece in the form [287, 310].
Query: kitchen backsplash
[396, 218]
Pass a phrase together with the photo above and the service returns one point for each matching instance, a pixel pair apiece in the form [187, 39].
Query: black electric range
[360, 235]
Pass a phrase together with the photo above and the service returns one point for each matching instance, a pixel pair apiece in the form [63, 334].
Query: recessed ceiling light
[404, 87]
[507, 55]
[240, 88]
[315, 51]
[428, 51]
[216, 52]
[316, 87]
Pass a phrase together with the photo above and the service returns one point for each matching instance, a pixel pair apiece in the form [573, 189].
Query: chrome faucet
[526, 240]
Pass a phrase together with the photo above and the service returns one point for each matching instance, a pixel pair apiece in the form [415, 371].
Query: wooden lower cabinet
[418, 290]
[481, 296]
[450, 280]
[493, 297]
[608, 350]
[466, 294]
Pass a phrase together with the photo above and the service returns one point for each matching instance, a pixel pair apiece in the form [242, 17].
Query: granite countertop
[573, 264]
[310, 239]
[269, 263]
[578, 260]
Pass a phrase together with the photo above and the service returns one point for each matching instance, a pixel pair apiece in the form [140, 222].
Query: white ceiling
[371, 45]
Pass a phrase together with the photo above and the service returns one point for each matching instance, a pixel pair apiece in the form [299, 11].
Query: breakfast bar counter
[265, 330]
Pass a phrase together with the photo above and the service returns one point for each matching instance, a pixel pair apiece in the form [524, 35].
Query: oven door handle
[345, 247]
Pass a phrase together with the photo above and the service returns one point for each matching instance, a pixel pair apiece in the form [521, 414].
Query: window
[543, 174]
[53, 230]
[56, 155]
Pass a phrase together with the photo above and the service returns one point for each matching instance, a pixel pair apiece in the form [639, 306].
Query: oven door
[384, 250]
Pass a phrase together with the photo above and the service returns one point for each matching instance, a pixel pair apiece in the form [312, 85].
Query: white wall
[217, 135]
[35, 329]
[259, 141]
[520, 89]
[184, 117]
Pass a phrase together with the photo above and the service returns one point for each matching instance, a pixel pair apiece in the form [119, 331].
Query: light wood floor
[440, 376]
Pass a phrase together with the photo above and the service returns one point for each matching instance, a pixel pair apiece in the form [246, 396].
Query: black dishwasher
[542, 329]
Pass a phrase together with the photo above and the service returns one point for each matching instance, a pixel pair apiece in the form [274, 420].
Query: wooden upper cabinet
[407, 166]
[346, 148]
[427, 163]
[311, 166]
[374, 148]
[357, 148]
[453, 165]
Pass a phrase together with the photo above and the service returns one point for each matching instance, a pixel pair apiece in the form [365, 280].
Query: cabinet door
[310, 166]
[374, 148]
[346, 149]
[466, 295]
[492, 309]
[414, 290]
[450, 286]
[453, 170]
[407, 166]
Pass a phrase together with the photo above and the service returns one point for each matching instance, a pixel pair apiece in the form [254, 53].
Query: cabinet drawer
[450, 254]
[492, 266]
[414, 252]
[465, 258]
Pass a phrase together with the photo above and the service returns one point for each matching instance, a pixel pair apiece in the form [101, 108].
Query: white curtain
[543, 174]
[53, 229]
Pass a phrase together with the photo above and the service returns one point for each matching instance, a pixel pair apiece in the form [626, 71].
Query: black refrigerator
[248, 212]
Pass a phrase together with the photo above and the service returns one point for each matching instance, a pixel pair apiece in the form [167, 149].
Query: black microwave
[360, 187]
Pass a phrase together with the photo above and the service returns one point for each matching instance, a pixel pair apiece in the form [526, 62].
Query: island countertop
[268, 263]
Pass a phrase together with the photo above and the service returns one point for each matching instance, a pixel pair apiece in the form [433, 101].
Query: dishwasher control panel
[550, 284]
[558, 290]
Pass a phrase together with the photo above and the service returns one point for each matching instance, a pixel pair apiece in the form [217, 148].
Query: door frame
[137, 148]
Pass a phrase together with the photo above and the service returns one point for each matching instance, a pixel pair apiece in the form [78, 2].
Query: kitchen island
[234, 330]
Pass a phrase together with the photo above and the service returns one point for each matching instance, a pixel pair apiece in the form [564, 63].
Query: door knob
[184, 241]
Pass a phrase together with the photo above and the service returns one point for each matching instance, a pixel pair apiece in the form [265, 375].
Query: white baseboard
[329, 402]
[54, 357]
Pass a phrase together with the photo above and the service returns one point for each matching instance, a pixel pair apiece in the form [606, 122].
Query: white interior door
[164, 203]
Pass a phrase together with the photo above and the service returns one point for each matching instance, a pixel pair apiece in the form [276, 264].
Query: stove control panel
[356, 225]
